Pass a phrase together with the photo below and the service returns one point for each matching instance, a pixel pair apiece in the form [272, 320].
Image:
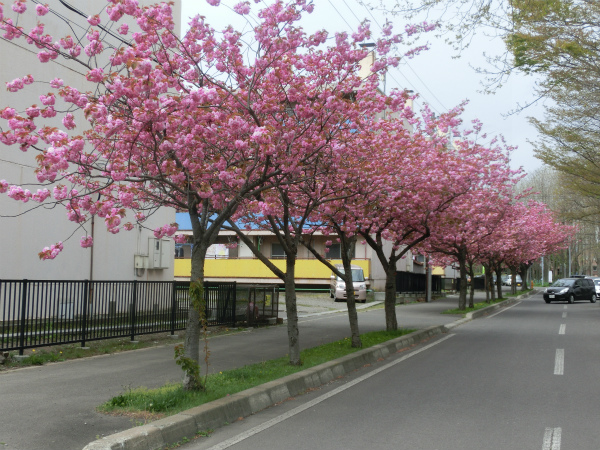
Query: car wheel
[593, 299]
[547, 300]
[571, 298]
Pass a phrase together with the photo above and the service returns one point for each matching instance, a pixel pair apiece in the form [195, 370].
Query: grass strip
[482, 305]
[172, 398]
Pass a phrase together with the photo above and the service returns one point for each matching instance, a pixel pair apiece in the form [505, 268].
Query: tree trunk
[350, 300]
[499, 281]
[192, 330]
[523, 268]
[472, 285]
[292, 311]
[513, 284]
[391, 322]
[490, 282]
[462, 293]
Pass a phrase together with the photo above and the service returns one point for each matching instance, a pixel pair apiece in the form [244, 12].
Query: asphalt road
[53, 406]
[525, 378]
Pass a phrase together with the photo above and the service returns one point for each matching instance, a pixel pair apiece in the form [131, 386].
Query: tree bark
[391, 322]
[472, 286]
[513, 284]
[350, 299]
[462, 293]
[192, 330]
[292, 311]
[499, 281]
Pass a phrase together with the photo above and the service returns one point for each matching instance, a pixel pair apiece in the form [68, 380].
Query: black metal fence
[44, 313]
[414, 283]
[257, 303]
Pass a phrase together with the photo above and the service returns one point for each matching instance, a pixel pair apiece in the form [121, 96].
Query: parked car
[596, 281]
[508, 281]
[571, 289]
[337, 286]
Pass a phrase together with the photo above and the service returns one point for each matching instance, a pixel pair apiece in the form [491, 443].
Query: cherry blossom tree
[203, 123]
[532, 231]
[474, 216]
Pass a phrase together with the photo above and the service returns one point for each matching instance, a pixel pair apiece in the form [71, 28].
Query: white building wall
[378, 274]
[25, 231]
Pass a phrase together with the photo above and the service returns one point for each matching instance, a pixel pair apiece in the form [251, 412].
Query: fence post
[234, 306]
[173, 306]
[24, 290]
[86, 290]
[133, 310]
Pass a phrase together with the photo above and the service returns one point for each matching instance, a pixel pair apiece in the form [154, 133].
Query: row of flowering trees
[276, 128]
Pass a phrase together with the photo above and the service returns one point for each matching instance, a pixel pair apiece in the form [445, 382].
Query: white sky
[441, 81]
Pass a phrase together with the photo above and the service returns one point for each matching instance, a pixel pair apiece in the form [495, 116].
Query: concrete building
[230, 260]
[28, 227]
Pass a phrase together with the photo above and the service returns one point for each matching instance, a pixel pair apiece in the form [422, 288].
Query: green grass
[43, 355]
[172, 398]
[482, 305]
[57, 353]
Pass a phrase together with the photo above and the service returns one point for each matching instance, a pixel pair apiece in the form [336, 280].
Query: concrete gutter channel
[164, 432]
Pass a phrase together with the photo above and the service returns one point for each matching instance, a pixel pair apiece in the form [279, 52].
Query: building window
[335, 251]
[277, 251]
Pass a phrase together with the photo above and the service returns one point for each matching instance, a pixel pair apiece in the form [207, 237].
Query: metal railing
[43, 313]
[416, 283]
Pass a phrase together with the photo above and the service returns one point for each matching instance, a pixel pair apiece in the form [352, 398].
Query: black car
[571, 289]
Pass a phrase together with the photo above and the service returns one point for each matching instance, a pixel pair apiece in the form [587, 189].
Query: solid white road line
[249, 433]
[562, 328]
[502, 310]
[559, 362]
[552, 439]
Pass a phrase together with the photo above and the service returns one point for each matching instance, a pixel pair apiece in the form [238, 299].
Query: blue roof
[185, 224]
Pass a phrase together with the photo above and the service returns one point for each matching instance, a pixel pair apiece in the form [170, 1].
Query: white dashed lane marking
[552, 439]
[559, 362]
[562, 328]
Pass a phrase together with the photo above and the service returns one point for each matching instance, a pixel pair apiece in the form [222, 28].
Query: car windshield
[357, 274]
[563, 282]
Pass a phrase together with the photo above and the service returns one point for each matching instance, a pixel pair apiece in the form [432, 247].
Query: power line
[339, 14]
[389, 71]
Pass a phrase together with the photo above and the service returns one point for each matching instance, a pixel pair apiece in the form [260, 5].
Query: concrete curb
[164, 432]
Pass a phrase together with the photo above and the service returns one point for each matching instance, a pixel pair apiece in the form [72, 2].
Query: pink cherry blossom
[48, 100]
[95, 75]
[68, 121]
[18, 193]
[242, 8]
[86, 241]
[94, 20]
[51, 252]
[56, 83]
[41, 195]
[15, 85]
[19, 7]
[41, 10]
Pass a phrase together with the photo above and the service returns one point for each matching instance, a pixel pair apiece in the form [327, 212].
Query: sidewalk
[53, 406]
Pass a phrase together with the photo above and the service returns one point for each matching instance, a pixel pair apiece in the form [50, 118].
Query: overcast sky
[441, 81]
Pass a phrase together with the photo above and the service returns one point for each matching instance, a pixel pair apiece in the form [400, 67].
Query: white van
[337, 287]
